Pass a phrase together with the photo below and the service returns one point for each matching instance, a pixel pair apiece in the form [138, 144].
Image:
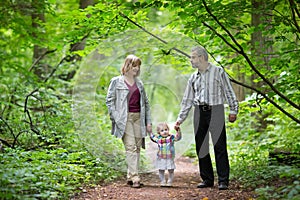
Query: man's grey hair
[200, 51]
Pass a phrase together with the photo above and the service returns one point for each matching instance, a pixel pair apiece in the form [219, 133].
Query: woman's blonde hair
[160, 125]
[130, 62]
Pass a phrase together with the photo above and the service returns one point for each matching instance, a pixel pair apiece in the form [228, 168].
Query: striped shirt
[211, 87]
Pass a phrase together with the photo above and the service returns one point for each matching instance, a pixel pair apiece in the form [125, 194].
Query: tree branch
[235, 81]
[268, 99]
[221, 36]
[241, 51]
[10, 130]
[262, 94]
[294, 9]
[32, 127]
[5, 142]
[54, 70]
[40, 58]
[158, 38]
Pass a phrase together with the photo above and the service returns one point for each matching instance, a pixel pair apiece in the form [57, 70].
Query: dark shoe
[205, 184]
[131, 183]
[223, 186]
[136, 185]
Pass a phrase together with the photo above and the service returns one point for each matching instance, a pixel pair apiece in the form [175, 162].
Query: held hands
[232, 117]
[177, 126]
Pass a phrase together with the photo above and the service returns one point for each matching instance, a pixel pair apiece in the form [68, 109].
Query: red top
[134, 98]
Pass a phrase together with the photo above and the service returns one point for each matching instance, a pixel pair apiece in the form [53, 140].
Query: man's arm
[230, 97]
[186, 103]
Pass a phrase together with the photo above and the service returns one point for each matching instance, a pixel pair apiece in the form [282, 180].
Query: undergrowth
[49, 174]
[252, 139]
[250, 146]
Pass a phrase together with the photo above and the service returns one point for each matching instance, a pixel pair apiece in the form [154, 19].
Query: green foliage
[228, 31]
[256, 134]
[191, 152]
[259, 120]
[42, 157]
[49, 174]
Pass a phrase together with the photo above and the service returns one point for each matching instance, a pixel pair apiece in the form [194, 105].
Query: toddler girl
[166, 152]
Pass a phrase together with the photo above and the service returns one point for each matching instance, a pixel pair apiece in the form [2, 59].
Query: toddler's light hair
[160, 125]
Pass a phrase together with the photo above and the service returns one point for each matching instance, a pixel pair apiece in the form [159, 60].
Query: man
[207, 89]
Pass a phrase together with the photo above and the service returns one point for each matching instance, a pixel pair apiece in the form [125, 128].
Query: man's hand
[232, 118]
[177, 126]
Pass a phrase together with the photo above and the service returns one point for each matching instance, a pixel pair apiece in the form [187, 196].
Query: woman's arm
[111, 97]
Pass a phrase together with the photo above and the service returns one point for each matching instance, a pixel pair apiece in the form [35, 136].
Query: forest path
[185, 183]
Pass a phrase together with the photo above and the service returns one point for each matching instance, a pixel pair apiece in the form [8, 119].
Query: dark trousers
[212, 121]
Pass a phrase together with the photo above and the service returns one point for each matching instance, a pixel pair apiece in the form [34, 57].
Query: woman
[129, 111]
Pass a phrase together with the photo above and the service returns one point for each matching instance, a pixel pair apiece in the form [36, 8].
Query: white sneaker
[169, 184]
[162, 184]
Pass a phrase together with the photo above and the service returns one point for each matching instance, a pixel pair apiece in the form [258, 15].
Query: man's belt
[205, 107]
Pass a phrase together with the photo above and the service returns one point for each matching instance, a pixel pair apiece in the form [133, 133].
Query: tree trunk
[239, 90]
[76, 46]
[261, 52]
[37, 17]
[80, 45]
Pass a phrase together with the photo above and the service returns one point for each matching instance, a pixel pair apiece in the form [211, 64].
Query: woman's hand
[149, 128]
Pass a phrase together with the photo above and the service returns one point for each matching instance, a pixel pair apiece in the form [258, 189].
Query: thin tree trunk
[38, 16]
[260, 50]
[78, 45]
[239, 90]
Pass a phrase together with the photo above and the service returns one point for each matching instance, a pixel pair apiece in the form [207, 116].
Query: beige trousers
[132, 141]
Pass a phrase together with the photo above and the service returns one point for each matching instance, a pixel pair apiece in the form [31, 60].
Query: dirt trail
[184, 188]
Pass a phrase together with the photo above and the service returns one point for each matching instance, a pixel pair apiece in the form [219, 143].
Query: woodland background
[45, 45]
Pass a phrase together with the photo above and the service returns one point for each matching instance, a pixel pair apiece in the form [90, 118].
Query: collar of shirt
[207, 69]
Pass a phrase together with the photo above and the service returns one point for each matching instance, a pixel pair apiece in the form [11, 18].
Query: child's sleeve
[153, 138]
[178, 135]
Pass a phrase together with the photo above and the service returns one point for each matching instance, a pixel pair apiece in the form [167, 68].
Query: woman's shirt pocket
[121, 97]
